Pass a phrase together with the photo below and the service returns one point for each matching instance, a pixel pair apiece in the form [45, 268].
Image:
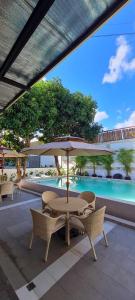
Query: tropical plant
[95, 161]
[51, 172]
[107, 161]
[80, 163]
[126, 158]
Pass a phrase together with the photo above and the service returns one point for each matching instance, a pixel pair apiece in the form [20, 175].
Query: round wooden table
[74, 204]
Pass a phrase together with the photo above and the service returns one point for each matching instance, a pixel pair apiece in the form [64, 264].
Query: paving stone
[111, 277]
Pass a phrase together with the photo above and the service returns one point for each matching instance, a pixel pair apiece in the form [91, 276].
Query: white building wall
[47, 161]
[116, 167]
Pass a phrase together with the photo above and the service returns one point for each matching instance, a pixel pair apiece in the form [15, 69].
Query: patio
[35, 37]
[70, 272]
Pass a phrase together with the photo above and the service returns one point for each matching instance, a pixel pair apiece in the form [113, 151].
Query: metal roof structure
[35, 35]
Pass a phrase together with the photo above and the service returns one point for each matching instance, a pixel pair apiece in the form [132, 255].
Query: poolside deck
[117, 208]
[70, 272]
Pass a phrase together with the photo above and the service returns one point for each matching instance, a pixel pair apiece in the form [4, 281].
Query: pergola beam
[36, 17]
[14, 83]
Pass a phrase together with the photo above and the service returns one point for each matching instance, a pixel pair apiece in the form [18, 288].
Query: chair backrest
[7, 188]
[43, 224]
[49, 195]
[90, 197]
[94, 222]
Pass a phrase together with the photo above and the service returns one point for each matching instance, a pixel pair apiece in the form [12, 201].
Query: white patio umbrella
[67, 146]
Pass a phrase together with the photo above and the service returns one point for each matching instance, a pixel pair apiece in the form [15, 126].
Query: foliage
[107, 161]
[51, 172]
[125, 157]
[95, 160]
[64, 113]
[21, 120]
[12, 177]
[51, 110]
[81, 162]
[62, 171]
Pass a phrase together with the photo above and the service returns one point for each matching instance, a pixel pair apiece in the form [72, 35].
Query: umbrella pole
[67, 175]
[2, 166]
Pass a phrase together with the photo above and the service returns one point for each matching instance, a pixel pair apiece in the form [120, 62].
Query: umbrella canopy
[3, 150]
[12, 154]
[67, 146]
[72, 146]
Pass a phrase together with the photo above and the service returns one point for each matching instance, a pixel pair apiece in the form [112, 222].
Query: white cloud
[119, 64]
[100, 116]
[129, 122]
[128, 109]
[105, 128]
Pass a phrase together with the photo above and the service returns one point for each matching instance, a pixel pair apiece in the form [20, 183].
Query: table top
[61, 205]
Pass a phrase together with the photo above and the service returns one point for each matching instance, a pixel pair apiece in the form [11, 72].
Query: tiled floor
[70, 273]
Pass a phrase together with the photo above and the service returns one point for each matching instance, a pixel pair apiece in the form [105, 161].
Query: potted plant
[80, 163]
[125, 157]
[107, 161]
[95, 160]
[117, 176]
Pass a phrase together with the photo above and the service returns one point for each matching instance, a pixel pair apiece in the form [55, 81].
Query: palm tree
[95, 160]
[107, 161]
[125, 157]
[81, 162]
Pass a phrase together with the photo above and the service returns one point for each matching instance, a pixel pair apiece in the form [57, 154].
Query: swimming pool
[108, 188]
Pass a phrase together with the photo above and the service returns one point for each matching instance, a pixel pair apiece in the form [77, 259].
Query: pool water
[108, 188]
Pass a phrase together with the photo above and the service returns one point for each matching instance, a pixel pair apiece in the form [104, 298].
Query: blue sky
[104, 68]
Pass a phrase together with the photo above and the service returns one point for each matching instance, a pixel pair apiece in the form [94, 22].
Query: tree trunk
[108, 172]
[27, 144]
[24, 167]
[57, 165]
[18, 167]
[94, 169]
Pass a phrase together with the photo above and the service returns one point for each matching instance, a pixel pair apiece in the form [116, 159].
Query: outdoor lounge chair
[44, 226]
[6, 188]
[46, 197]
[92, 225]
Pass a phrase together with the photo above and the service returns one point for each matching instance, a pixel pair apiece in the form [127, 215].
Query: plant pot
[127, 178]
[117, 176]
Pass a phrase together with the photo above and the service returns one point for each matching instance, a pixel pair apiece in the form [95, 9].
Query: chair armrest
[90, 208]
[61, 216]
[77, 217]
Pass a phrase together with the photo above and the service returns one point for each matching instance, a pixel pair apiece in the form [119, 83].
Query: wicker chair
[90, 197]
[6, 188]
[47, 196]
[18, 187]
[44, 226]
[92, 225]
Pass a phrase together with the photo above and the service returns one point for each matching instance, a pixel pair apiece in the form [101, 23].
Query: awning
[35, 35]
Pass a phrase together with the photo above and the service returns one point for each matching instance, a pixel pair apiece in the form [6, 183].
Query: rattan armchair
[90, 197]
[6, 188]
[47, 196]
[92, 225]
[44, 226]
